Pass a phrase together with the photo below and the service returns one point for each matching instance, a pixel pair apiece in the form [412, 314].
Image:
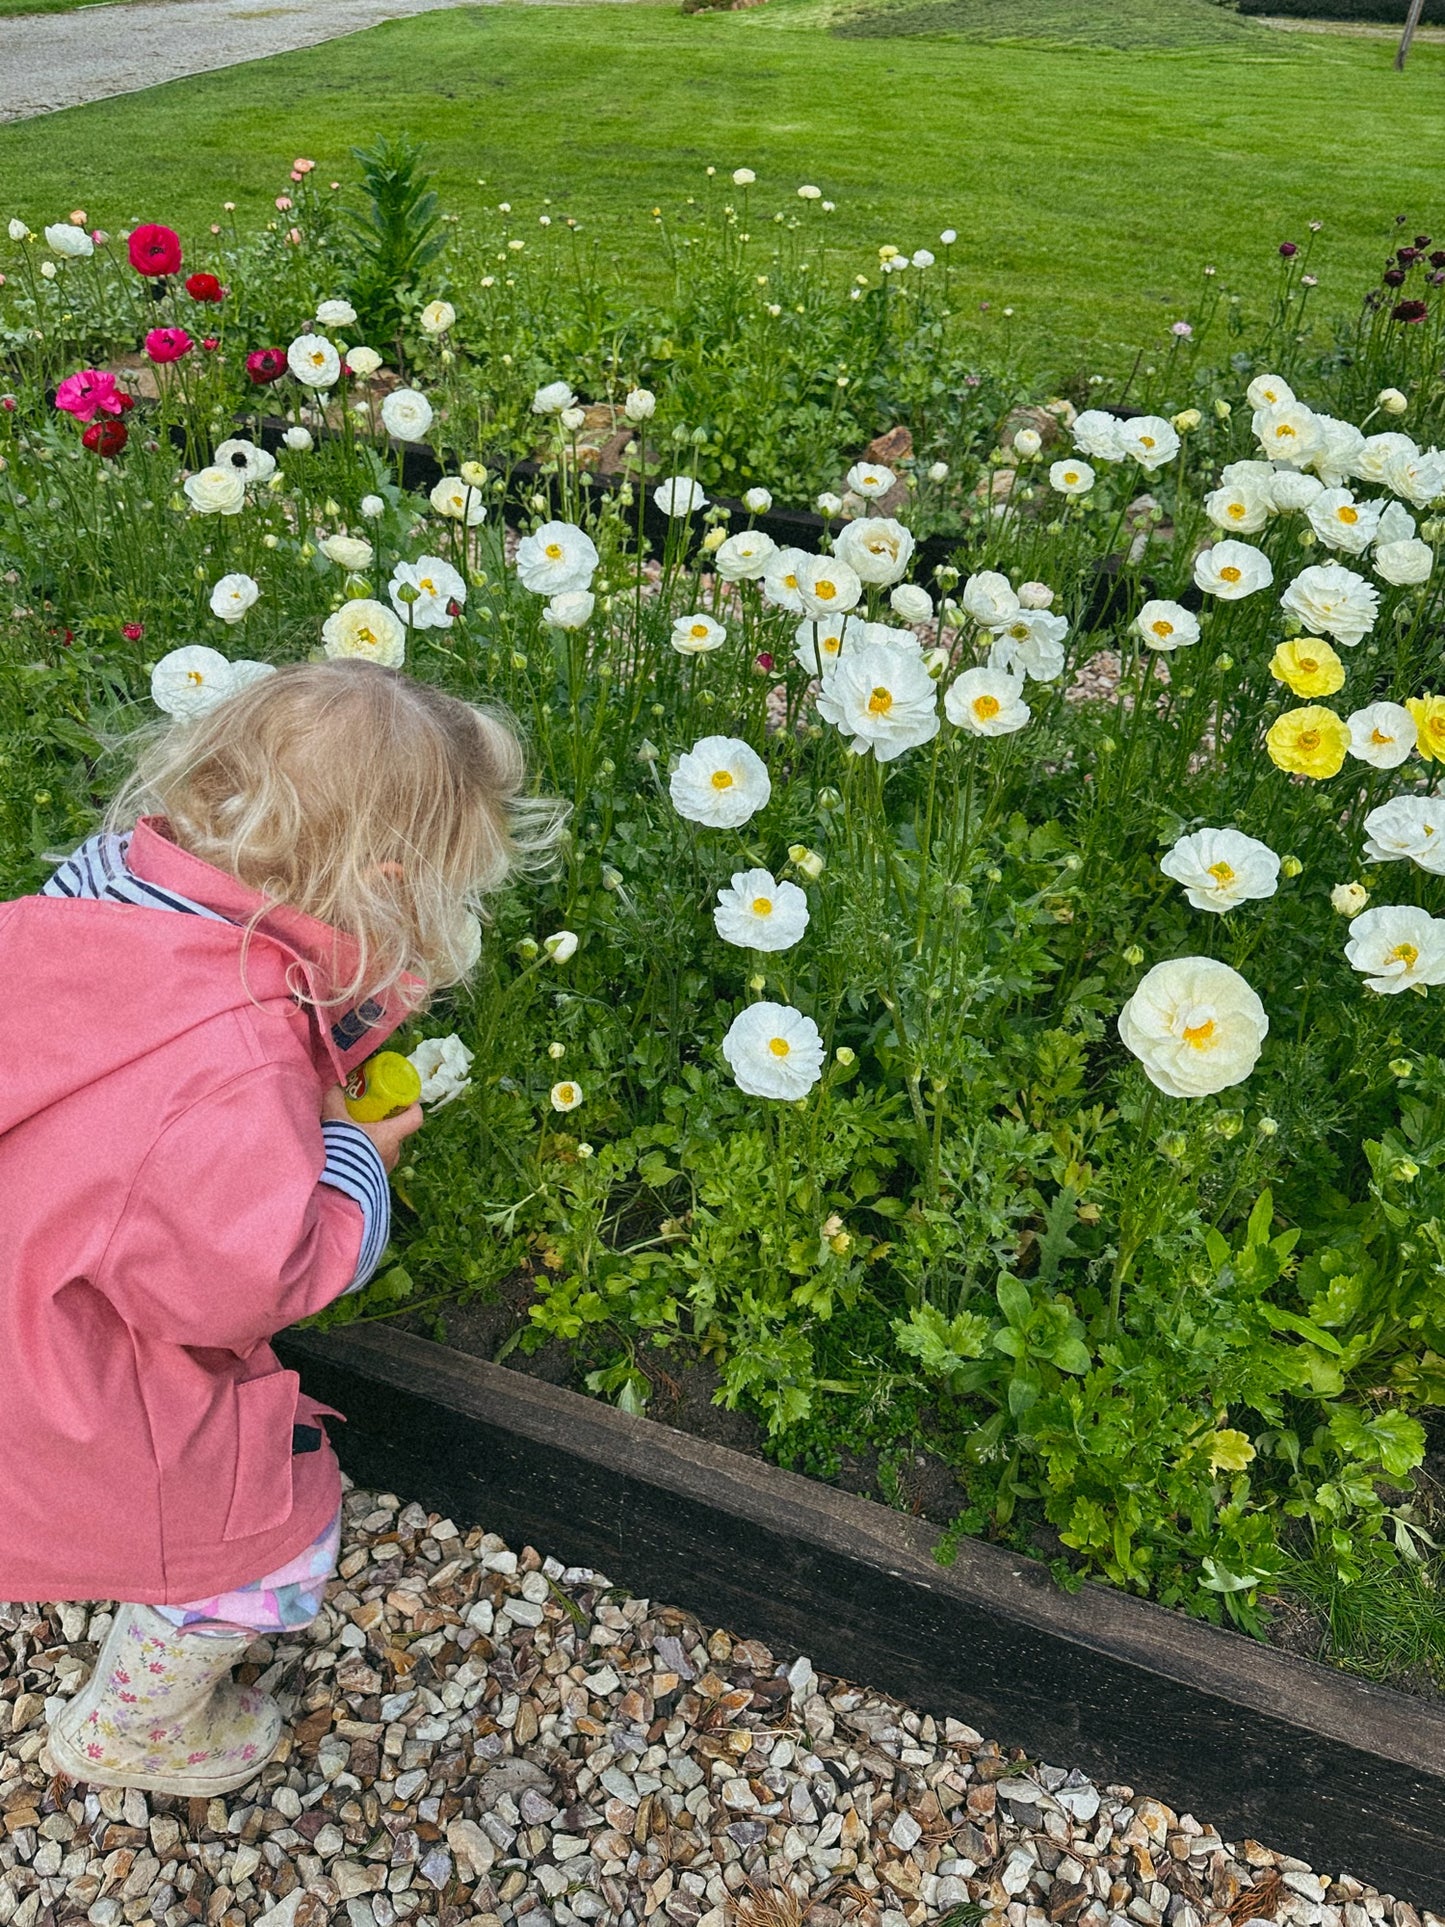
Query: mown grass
[11, 7]
[1172, 26]
[1088, 189]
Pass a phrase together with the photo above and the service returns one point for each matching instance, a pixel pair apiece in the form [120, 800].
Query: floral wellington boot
[160, 1712]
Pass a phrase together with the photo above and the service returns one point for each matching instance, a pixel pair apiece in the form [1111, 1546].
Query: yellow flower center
[790, 582]
[880, 702]
[1229, 573]
[1021, 631]
[1347, 514]
[195, 678]
[1162, 628]
[425, 582]
[1071, 476]
[1309, 739]
[1283, 431]
[1146, 441]
[1198, 1035]
[565, 1093]
[1378, 736]
[762, 906]
[722, 779]
[1404, 953]
[318, 359]
[986, 707]
[1237, 510]
[1221, 872]
[779, 1046]
[698, 629]
[553, 550]
[1309, 665]
[831, 645]
[824, 591]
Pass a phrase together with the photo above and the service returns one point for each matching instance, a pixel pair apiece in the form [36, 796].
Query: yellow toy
[384, 1086]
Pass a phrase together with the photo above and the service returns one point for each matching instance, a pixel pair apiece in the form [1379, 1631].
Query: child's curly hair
[375, 803]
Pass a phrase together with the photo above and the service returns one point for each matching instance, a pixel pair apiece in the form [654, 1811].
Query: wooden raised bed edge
[1346, 1775]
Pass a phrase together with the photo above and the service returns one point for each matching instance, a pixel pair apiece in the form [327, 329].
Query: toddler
[278, 885]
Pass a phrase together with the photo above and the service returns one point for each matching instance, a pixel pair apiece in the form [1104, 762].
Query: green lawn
[1088, 188]
[1168, 25]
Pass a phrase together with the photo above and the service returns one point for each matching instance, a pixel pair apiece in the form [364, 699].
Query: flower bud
[527, 950]
[611, 879]
[714, 540]
[640, 405]
[758, 983]
[554, 1051]
[1133, 956]
[1290, 866]
[830, 799]
[1392, 401]
[1173, 1145]
[1406, 1170]
[562, 946]
[844, 1056]
[1185, 420]
[1222, 409]
[1349, 898]
[1267, 1127]
[474, 474]
[1400, 1067]
[938, 471]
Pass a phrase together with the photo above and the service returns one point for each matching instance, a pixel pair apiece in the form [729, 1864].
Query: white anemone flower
[679, 495]
[189, 681]
[1343, 523]
[314, 361]
[429, 591]
[553, 399]
[1031, 645]
[882, 698]
[1150, 439]
[1220, 869]
[870, 479]
[1238, 510]
[442, 1064]
[233, 595]
[566, 1095]
[1408, 827]
[1288, 433]
[986, 702]
[698, 634]
[570, 610]
[780, 579]
[720, 782]
[1382, 734]
[1195, 1025]
[1167, 625]
[1403, 564]
[1397, 947]
[876, 548]
[367, 630]
[251, 463]
[556, 558]
[1231, 570]
[1096, 433]
[744, 556]
[818, 644]
[1071, 477]
[1331, 600]
[215, 491]
[826, 584]
[459, 502]
[406, 414]
[756, 912]
[989, 599]
[774, 1051]
[1269, 391]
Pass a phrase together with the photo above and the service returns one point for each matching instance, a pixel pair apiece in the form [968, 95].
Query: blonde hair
[372, 802]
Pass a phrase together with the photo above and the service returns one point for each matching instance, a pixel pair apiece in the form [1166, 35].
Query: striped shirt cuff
[354, 1166]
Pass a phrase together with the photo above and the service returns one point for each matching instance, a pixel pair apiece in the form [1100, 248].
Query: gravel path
[483, 1736]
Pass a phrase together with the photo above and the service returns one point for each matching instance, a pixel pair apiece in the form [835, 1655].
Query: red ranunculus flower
[204, 287]
[106, 438]
[211, 343]
[133, 631]
[155, 250]
[266, 364]
[167, 344]
[125, 400]
[1409, 311]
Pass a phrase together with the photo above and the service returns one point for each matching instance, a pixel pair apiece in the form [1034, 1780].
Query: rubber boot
[161, 1712]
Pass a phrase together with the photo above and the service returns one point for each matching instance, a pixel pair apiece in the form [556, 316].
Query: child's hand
[386, 1134]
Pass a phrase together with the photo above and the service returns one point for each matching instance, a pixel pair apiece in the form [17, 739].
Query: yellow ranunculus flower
[1308, 742]
[1310, 667]
[1429, 715]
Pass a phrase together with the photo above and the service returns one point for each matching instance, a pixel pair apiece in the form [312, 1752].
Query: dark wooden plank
[1342, 1773]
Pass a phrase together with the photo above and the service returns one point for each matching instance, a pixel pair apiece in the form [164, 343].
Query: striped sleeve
[354, 1166]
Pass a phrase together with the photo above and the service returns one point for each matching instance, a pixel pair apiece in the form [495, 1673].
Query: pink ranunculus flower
[87, 394]
[283, 202]
[167, 344]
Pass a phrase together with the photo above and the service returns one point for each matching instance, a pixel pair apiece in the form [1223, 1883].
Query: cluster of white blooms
[189, 681]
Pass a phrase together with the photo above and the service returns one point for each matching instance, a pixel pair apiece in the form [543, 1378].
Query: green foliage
[1123, 25]
[396, 236]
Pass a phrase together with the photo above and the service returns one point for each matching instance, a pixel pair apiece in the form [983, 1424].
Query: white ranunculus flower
[1288, 433]
[347, 551]
[566, 1095]
[720, 782]
[298, 440]
[1291, 489]
[1238, 511]
[373, 507]
[430, 589]
[1382, 734]
[1377, 451]
[436, 317]
[1071, 477]
[1027, 443]
[1418, 479]
[870, 479]
[1231, 570]
[1096, 433]
[18, 230]
[1403, 564]
[679, 495]
[216, 491]
[938, 471]
[362, 360]
[406, 414]
[1342, 523]
[190, 681]
[71, 241]
[1035, 595]
[1256, 476]
[826, 584]
[1221, 869]
[335, 314]
[458, 501]
[1349, 899]
[1167, 625]
[1331, 600]
[818, 644]
[756, 912]
[1410, 827]
[1150, 439]
[757, 501]
[911, 603]
[774, 1051]
[553, 398]
[743, 177]
[314, 362]
[697, 634]
[1397, 947]
[1339, 450]
[1269, 391]
[1392, 401]
[744, 556]
[555, 558]
[1396, 524]
[640, 405]
[828, 504]
[570, 610]
[922, 258]
[244, 672]
[1031, 645]
[367, 630]
[573, 419]
[780, 579]
[233, 595]
[442, 1064]
[882, 698]
[1195, 1025]
[989, 599]
[251, 463]
[857, 631]
[986, 702]
[876, 548]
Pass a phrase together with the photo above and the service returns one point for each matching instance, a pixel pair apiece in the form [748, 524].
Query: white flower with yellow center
[566, 1096]
[314, 361]
[1221, 869]
[190, 681]
[1397, 947]
[1231, 570]
[1150, 439]
[1071, 477]
[367, 630]
[1331, 600]
[1031, 645]
[436, 317]
[233, 595]
[1195, 1025]
[1403, 564]
[756, 912]
[870, 479]
[1269, 391]
[1096, 433]
[1288, 433]
[1408, 828]
[697, 634]
[780, 579]
[556, 558]
[774, 1051]
[679, 495]
[720, 782]
[986, 702]
[817, 645]
[989, 599]
[883, 699]
[876, 548]
[442, 1064]
[428, 592]
[1166, 625]
[826, 585]
[456, 499]
[1377, 451]
[1343, 523]
[347, 551]
[1237, 510]
[406, 414]
[744, 556]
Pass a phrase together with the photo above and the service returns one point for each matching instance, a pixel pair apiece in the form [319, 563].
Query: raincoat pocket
[265, 1414]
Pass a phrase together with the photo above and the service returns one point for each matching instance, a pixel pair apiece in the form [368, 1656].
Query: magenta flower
[167, 344]
[87, 394]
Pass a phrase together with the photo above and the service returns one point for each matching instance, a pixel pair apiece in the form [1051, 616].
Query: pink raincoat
[160, 1219]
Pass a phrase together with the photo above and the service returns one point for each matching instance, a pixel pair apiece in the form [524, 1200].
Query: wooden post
[1412, 20]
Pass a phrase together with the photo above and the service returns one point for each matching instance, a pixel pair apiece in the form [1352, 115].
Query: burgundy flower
[9, 404]
[1411, 311]
[1288, 248]
[106, 438]
[87, 394]
[155, 249]
[168, 344]
[266, 364]
[1422, 240]
[133, 631]
[124, 400]
[1437, 259]
[764, 661]
[204, 287]
[1407, 257]
[1437, 280]
[1393, 277]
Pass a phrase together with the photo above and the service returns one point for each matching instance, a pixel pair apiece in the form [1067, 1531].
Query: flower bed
[968, 1013]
